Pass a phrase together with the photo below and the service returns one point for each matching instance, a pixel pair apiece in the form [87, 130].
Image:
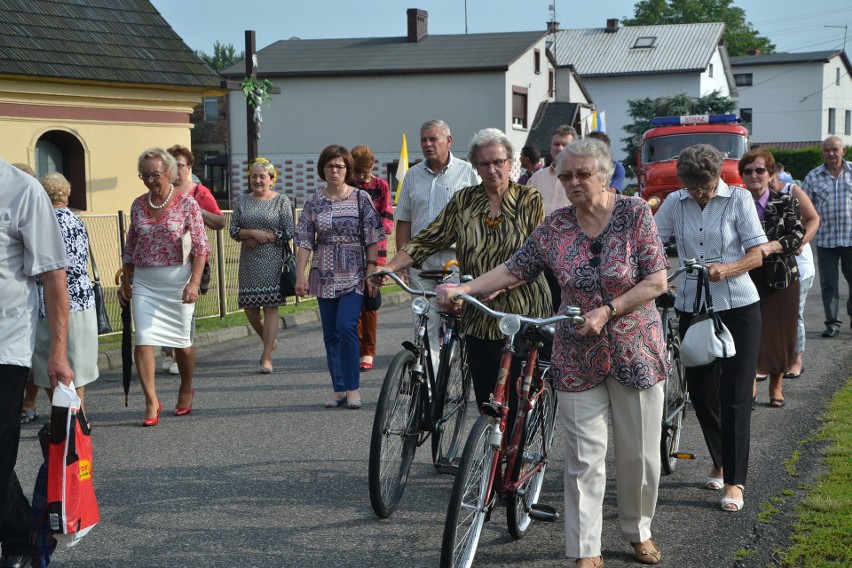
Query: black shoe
[830, 331]
[22, 561]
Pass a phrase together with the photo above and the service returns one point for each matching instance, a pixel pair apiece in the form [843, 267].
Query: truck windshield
[668, 147]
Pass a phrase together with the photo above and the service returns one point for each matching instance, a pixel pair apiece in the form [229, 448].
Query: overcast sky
[793, 25]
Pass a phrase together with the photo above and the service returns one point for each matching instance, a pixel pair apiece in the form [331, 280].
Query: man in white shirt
[427, 188]
[30, 245]
[544, 180]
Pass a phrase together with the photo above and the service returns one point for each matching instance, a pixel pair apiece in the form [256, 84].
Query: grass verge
[822, 530]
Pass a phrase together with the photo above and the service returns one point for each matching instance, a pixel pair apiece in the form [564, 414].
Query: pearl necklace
[165, 201]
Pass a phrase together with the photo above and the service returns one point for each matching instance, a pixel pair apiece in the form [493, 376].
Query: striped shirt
[832, 198]
[720, 233]
[425, 193]
[481, 248]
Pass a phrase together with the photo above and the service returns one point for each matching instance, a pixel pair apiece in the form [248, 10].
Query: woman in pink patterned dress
[605, 252]
[164, 256]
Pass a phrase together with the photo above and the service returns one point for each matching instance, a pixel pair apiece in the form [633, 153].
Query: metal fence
[104, 235]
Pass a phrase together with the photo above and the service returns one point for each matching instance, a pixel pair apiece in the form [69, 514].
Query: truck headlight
[655, 202]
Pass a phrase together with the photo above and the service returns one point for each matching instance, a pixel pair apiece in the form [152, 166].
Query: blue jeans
[340, 334]
[829, 281]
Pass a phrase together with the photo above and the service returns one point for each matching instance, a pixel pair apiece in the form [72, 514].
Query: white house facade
[621, 63]
[795, 99]
[371, 91]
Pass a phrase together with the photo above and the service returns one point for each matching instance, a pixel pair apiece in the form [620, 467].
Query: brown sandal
[645, 555]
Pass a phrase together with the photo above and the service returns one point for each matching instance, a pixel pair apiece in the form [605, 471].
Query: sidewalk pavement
[111, 360]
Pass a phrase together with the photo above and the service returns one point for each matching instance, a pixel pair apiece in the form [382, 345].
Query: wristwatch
[612, 311]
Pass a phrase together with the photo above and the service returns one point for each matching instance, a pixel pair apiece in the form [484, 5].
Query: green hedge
[802, 160]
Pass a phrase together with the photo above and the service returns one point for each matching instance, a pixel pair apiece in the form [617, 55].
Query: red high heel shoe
[184, 411]
[153, 421]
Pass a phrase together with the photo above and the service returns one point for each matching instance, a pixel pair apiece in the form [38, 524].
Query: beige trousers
[636, 417]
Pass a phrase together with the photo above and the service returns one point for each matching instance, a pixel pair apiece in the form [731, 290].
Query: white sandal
[714, 483]
[736, 503]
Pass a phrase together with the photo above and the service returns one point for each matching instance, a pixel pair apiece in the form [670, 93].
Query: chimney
[754, 52]
[552, 27]
[612, 25]
[418, 24]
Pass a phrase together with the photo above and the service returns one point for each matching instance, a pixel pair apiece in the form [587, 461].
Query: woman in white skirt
[82, 322]
[164, 257]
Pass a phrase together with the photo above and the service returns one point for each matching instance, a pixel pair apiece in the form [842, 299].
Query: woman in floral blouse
[164, 256]
[604, 250]
[82, 321]
[333, 225]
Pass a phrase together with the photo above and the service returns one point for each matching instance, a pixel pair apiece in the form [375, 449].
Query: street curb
[111, 360]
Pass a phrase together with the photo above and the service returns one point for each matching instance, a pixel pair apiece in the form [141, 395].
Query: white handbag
[706, 338]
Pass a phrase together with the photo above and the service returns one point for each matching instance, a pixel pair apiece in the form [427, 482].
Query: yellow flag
[401, 168]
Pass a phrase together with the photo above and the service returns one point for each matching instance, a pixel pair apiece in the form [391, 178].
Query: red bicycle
[493, 466]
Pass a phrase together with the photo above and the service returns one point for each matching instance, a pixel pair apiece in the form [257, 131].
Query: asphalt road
[260, 474]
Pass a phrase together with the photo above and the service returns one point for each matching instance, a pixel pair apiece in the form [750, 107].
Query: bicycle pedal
[544, 513]
[683, 456]
[448, 467]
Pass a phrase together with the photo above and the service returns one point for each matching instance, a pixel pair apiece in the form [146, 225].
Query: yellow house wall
[111, 148]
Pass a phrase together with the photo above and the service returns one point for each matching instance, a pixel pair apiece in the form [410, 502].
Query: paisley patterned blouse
[331, 230]
[631, 347]
[159, 242]
[76, 240]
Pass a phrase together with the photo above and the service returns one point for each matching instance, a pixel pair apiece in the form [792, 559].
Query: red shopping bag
[71, 504]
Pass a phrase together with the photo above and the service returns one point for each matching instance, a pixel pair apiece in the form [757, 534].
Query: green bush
[802, 160]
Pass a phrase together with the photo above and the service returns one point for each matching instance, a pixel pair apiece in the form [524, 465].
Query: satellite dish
[295, 37]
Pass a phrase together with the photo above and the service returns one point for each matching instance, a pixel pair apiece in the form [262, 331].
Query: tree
[643, 110]
[223, 56]
[740, 37]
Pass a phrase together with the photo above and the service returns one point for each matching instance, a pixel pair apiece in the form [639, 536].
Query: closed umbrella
[122, 280]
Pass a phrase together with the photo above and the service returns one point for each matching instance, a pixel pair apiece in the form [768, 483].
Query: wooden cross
[251, 71]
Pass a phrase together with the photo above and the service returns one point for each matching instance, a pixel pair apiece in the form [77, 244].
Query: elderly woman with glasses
[340, 229]
[718, 226]
[777, 279]
[605, 252]
[163, 257]
[487, 223]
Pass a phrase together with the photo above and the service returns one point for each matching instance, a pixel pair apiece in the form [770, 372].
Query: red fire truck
[660, 146]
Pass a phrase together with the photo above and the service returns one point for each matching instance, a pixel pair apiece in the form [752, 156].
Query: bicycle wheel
[395, 433]
[538, 426]
[451, 402]
[674, 409]
[469, 498]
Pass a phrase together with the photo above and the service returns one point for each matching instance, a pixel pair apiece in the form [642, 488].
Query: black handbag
[371, 303]
[288, 269]
[100, 306]
[204, 285]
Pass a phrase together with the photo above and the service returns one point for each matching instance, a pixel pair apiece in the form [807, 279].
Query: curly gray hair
[489, 137]
[589, 148]
[699, 165]
[158, 153]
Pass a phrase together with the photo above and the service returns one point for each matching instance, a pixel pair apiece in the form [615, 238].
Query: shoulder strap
[95, 272]
[361, 231]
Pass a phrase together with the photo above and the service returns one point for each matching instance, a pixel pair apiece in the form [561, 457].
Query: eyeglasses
[596, 248]
[703, 190]
[152, 176]
[496, 163]
[181, 166]
[758, 171]
[335, 167]
[580, 175]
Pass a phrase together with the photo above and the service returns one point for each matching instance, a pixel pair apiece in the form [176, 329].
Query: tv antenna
[845, 30]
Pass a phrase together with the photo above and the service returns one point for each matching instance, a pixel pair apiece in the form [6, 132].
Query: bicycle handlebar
[689, 265]
[395, 277]
[572, 314]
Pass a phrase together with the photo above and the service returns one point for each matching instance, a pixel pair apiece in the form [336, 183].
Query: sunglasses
[595, 248]
[580, 175]
[758, 171]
